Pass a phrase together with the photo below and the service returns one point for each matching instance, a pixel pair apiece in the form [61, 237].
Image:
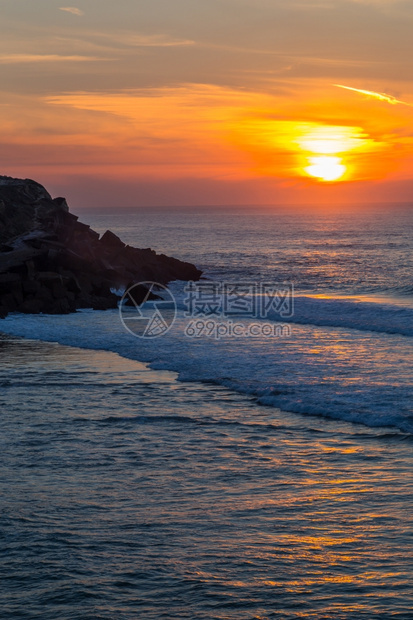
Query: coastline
[42, 355]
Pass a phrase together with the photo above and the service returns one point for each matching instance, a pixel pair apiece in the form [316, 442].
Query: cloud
[151, 40]
[72, 9]
[379, 96]
[12, 59]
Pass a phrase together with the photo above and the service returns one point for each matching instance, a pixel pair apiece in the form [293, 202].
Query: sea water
[233, 477]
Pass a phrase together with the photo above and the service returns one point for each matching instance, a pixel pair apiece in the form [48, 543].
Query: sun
[326, 168]
[325, 147]
[326, 154]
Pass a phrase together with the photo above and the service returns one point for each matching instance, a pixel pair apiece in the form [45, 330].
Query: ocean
[207, 474]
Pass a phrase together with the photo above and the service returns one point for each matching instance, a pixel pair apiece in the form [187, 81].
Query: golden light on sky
[302, 149]
[151, 103]
[327, 140]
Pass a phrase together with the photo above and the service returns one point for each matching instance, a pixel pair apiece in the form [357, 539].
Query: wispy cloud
[380, 96]
[72, 9]
[152, 40]
[11, 59]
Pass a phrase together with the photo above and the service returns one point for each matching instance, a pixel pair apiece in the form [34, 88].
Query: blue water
[272, 481]
[342, 250]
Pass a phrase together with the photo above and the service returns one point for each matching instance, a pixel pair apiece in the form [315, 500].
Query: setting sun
[326, 168]
[296, 149]
[326, 143]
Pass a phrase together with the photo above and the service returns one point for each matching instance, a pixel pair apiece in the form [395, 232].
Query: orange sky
[225, 102]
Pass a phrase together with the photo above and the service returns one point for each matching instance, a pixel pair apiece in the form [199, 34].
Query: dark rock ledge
[52, 263]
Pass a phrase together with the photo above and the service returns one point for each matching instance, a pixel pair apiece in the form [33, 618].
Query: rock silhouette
[52, 263]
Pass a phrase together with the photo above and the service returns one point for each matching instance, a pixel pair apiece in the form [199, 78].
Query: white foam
[357, 376]
[360, 315]
[350, 313]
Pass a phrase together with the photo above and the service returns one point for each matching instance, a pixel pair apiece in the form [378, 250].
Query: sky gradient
[180, 102]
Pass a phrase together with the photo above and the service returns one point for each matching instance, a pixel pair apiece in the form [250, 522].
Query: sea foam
[359, 375]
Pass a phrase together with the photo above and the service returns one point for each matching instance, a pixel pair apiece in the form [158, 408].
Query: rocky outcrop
[52, 263]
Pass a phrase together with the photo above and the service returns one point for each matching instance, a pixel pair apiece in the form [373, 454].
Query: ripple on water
[127, 494]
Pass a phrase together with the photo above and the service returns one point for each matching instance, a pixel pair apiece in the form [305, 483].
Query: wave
[380, 314]
[352, 374]
[361, 315]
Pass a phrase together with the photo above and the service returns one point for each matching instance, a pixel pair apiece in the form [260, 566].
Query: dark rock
[52, 263]
[137, 295]
[31, 306]
[30, 287]
[9, 303]
[111, 240]
[61, 202]
[6, 248]
[7, 279]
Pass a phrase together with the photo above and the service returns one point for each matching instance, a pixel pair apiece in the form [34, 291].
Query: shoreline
[111, 359]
